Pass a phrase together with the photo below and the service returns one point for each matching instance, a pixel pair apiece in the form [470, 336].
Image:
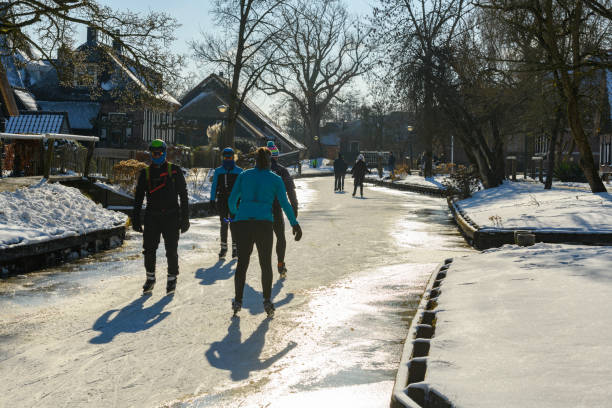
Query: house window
[103, 134]
[86, 76]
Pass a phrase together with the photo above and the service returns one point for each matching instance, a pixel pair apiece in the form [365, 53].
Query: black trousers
[259, 233]
[165, 224]
[279, 231]
[224, 213]
[358, 182]
[339, 182]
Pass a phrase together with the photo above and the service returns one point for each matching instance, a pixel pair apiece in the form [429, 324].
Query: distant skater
[223, 182]
[279, 219]
[340, 167]
[256, 189]
[161, 182]
[359, 171]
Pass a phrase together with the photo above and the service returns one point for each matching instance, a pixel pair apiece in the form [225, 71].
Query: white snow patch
[527, 205]
[48, 211]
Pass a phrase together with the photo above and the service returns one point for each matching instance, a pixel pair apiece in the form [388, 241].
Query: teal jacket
[256, 189]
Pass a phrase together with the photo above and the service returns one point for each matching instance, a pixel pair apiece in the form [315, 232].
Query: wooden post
[90, 151]
[49, 158]
[541, 175]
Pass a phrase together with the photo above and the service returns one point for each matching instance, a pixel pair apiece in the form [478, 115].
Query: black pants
[258, 233]
[279, 231]
[224, 214]
[166, 224]
[339, 182]
[358, 182]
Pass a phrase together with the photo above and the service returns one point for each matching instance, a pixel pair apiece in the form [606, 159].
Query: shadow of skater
[218, 271]
[242, 358]
[252, 298]
[131, 319]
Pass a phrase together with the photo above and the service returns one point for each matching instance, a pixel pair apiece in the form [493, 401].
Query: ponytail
[262, 158]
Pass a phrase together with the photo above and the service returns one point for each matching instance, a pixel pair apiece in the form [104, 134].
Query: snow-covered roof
[80, 114]
[26, 99]
[35, 123]
[199, 97]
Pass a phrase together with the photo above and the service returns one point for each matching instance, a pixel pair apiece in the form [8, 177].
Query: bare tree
[320, 50]
[573, 37]
[245, 48]
[413, 33]
[44, 27]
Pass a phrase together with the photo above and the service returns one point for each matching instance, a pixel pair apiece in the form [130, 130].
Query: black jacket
[162, 190]
[359, 170]
[289, 186]
[340, 166]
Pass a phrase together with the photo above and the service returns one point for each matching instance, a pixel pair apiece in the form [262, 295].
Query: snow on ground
[115, 188]
[323, 166]
[527, 205]
[47, 211]
[525, 327]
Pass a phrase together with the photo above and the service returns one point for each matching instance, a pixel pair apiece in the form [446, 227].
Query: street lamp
[222, 109]
[410, 129]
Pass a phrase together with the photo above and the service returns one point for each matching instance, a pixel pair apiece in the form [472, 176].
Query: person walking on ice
[279, 220]
[359, 171]
[340, 167]
[161, 182]
[256, 189]
[223, 182]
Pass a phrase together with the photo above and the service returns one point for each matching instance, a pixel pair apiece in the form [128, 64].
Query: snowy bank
[516, 205]
[525, 327]
[49, 211]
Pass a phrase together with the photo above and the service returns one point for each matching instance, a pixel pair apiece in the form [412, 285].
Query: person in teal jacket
[256, 189]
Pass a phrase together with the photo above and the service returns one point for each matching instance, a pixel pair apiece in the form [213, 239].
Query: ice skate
[282, 270]
[223, 250]
[269, 308]
[148, 286]
[171, 285]
[236, 306]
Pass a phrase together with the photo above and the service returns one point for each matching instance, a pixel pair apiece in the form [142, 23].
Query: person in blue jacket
[223, 182]
[256, 189]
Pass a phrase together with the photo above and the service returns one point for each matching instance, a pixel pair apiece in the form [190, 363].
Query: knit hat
[360, 157]
[273, 149]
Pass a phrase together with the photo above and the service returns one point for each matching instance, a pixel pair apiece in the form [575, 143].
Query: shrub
[463, 182]
[569, 171]
[125, 174]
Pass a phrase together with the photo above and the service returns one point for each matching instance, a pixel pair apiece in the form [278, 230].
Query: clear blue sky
[194, 17]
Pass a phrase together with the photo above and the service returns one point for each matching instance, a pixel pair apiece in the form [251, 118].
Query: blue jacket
[256, 189]
[223, 182]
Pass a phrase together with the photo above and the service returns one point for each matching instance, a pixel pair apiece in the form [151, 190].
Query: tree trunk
[554, 135]
[582, 142]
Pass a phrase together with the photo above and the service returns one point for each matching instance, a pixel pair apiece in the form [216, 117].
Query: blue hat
[228, 152]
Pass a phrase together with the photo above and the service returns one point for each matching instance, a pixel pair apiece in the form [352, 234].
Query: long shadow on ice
[218, 271]
[131, 319]
[241, 358]
[253, 300]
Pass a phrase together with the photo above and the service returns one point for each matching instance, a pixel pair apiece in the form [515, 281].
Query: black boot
[171, 285]
[282, 270]
[148, 286]
[223, 250]
[236, 306]
[269, 308]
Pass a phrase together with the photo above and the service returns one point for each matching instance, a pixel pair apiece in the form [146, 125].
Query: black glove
[185, 225]
[136, 225]
[297, 232]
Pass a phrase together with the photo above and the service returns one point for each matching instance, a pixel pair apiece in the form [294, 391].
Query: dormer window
[86, 76]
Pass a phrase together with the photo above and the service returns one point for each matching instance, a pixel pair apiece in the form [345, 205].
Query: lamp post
[409, 128]
[222, 109]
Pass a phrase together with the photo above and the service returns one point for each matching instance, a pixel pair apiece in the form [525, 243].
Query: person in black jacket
[277, 212]
[161, 182]
[223, 181]
[340, 167]
[359, 171]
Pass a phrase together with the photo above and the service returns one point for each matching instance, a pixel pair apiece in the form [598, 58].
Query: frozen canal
[82, 335]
